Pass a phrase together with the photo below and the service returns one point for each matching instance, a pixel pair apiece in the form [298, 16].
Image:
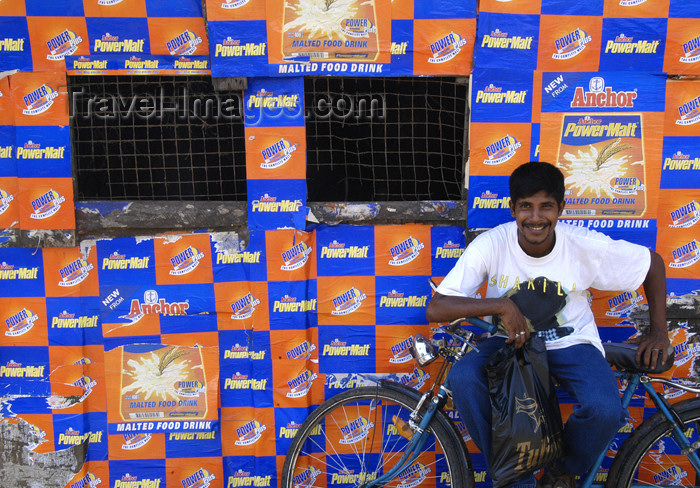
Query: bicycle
[390, 434]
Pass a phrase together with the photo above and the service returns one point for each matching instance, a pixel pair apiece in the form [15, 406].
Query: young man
[546, 268]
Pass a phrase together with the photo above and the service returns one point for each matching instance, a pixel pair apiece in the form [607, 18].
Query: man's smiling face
[536, 217]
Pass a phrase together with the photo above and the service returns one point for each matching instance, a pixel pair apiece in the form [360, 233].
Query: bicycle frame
[633, 381]
[438, 400]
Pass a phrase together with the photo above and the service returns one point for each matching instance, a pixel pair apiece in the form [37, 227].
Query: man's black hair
[533, 177]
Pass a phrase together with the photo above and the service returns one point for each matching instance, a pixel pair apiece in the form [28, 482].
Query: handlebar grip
[488, 327]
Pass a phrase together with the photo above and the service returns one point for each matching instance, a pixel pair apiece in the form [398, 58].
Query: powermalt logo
[681, 162]
[301, 351]
[266, 99]
[449, 250]
[495, 94]
[87, 481]
[72, 437]
[338, 347]
[112, 44]
[500, 40]
[626, 186]
[130, 481]
[414, 475]
[62, 45]
[39, 100]
[277, 154]
[306, 478]
[136, 63]
[620, 305]
[241, 352]
[243, 478]
[348, 477]
[238, 257]
[13, 369]
[301, 385]
[231, 4]
[686, 216]
[446, 48]
[689, 112]
[357, 27]
[230, 47]
[75, 272]
[405, 252]
[189, 388]
[8, 272]
[691, 51]
[337, 250]
[184, 44]
[31, 150]
[9, 45]
[134, 441]
[47, 204]
[295, 257]
[502, 150]
[199, 479]
[120, 261]
[490, 200]
[626, 45]
[249, 433]
[185, 63]
[267, 203]
[685, 255]
[356, 430]
[185, 261]
[348, 301]
[239, 381]
[571, 44]
[416, 379]
[589, 127]
[397, 299]
[401, 351]
[20, 323]
[244, 307]
[599, 95]
[152, 305]
[290, 304]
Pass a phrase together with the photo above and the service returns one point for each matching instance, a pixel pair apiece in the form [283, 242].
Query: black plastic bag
[526, 425]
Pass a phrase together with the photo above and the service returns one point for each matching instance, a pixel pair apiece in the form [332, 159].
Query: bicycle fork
[419, 437]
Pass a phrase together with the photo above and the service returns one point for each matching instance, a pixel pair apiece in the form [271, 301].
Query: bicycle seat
[622, 356]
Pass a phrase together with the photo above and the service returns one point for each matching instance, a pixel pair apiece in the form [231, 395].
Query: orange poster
[569, 43]
[70, 272]
[682, 55]
[235, 10]
[183, 259]
[682, 108]
[178, 36]
[496, 149]
[54, 38]
[275, 153]
[40, 98]
[443, 48]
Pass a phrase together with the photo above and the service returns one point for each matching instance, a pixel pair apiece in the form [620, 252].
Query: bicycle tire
[651, 457]
[352, 462]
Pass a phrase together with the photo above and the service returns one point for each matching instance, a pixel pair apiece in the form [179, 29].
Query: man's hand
[514, 322]
[652, 346]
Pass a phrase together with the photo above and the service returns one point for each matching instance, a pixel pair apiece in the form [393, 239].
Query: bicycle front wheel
[651, 456]
[355, 437]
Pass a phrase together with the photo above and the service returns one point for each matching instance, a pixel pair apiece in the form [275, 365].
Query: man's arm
[443, 308]
[656, 342]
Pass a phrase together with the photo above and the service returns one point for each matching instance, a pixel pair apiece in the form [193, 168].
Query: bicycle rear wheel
[651, 456]
[354, 437]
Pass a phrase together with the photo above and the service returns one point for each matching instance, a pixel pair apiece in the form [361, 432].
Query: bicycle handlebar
[482, 324]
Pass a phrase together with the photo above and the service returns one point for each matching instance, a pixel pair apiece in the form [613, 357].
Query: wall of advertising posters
[192, 360]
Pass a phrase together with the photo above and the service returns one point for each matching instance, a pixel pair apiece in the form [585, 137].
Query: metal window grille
[156, 138]
[385, 139]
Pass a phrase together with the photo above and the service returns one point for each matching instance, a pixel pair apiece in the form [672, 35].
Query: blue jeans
[580, 369]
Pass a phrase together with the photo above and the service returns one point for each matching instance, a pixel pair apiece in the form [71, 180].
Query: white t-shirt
[581, 259]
